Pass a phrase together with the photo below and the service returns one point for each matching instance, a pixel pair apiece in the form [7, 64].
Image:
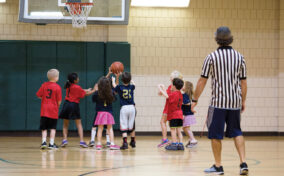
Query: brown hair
[105, 91]
[188, 89]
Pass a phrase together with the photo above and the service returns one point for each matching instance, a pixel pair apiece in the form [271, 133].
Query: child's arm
[132, 82]
[163, 90]
[109, 72]
[117, 78]
[59, 103]
[113, 82]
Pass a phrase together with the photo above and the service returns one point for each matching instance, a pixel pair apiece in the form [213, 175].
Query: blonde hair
[176, 74]
[52, 73]
[188, 89]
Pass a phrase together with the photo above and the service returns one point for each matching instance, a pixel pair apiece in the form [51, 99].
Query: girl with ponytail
[71, 109]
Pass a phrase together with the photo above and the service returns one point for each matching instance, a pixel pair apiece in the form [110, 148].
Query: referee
[227, 70]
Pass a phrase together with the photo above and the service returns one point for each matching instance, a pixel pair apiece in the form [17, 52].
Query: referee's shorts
[217, 118]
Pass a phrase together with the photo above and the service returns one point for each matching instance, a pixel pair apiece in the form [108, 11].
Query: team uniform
[127, 111]
[175, 115]
[226, 67]
[71, 109]
[104, 113]
[188, 116]
[165, 111]
[50, 94]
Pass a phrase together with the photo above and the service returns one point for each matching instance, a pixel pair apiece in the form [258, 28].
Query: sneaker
[64, 143]
[132, 144]
[216, 170]
[108, 144]
[244, 169]
[54, 146]
[99, 147]
[172, 147]
[114, 147]
[83, 145]
[180, 147]
[124, 146]
[163, 143]
[91, 144]
[43, 145]
[192, 145]
[188, 144]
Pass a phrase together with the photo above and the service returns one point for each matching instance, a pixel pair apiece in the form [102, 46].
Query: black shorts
[70, 111]
[47, 123]
[176, 123]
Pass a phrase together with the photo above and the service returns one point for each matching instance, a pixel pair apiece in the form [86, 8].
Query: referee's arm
[244, 93]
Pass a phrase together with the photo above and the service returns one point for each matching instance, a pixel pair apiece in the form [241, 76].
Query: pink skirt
[189, 120]
[104, 118]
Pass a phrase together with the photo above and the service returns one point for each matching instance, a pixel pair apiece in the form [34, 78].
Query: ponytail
[71, 78]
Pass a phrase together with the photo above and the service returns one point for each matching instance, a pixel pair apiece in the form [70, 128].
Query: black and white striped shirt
[226, 67]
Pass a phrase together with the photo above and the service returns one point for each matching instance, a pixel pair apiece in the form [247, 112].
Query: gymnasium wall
[165, 39]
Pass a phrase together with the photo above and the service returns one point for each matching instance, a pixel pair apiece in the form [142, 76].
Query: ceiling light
[2, 1]
[160, 3]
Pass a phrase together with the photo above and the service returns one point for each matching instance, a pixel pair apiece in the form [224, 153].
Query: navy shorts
[217, 118]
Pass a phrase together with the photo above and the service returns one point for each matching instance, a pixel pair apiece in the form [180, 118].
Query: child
[163, 122]
[50, 95]
[174, 115]
[71, 109]
[189, 118]
[103, 97]
[127, 111]
[94, 128]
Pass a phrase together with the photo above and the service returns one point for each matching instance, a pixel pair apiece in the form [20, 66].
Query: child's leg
[52, 136]
[44, 135]
[180, 137]
[191, 136]
[80, 129]
[65, 129]
[93, 134]
[174, 135]
[110, 133]
[163, 123]
[185, 130]
[99, 135]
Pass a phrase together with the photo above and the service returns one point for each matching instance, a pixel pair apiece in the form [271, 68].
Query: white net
[79, 13]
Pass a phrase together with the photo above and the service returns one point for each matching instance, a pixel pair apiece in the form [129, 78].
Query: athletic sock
[125, 139]
[93, 135]
[107, 138]
[112, 143]
[133, 139]
[43, 140]
[191, 136]
[51, 141]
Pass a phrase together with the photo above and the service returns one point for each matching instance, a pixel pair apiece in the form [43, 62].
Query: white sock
[112, 143]
[93, 135]
[107, 136]
[51, 141]
[43, 140]
[191, 136]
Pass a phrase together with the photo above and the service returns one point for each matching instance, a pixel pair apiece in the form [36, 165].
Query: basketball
[116, 67]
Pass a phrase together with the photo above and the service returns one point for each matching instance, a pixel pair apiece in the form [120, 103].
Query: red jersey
[50, 94]
[174, 107]
[165, 111]
[74, 93]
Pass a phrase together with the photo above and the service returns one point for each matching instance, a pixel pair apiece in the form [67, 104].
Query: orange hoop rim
[80, 3]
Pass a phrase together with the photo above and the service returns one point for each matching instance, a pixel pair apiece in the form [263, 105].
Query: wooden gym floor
[22, 156]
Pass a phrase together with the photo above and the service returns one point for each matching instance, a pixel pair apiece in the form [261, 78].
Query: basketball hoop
[79, 13]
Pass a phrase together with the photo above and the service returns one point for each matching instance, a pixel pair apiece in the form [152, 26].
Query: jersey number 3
[126, 94]
[49, 93]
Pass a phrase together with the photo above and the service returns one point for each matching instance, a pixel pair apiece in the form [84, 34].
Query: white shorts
[127, 118]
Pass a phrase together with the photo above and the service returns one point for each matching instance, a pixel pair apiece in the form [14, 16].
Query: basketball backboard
[55, 11]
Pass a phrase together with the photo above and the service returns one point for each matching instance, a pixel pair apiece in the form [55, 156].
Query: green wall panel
[13, 86]
[117, 51]
[23, 69]
[71, 58]
[41, 56]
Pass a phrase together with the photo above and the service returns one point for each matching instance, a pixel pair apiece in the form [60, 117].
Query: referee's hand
[243, 107]
[193, 104]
